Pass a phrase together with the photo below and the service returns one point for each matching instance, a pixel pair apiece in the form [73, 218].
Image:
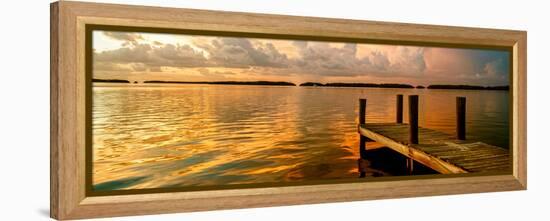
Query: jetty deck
[439, 151]
[442, 152]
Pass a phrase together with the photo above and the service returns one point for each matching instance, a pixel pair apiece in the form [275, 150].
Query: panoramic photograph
[188, 111]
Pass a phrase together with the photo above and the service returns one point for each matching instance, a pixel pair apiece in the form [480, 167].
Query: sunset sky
[146, 56]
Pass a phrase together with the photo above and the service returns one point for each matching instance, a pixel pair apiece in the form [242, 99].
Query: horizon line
[288, 83]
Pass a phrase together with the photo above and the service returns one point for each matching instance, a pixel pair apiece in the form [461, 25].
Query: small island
[269, 83]
[385, 85]
[110, 81]
[468, 87]
[311, 84]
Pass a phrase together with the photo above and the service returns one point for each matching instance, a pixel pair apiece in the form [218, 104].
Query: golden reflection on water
[194, 135]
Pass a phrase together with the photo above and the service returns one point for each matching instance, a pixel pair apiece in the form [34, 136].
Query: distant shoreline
[110, 81]
[272, 83]
[469, 87]
[316, 84]
[386, 85]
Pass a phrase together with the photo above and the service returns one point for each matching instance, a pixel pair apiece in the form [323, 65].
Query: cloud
[315, 58]
[137, 54]
[239, 58]
[217, 52]
[128, 37]
[409, 59]
[177, 56]
[467, 66]
[168, 55]
[492, 68]
[108, 66]
[140, 67]
[215, 75]
[495, 72]
[242, 53]
[378, 62]
[320, 58]
[491, 63]
[339, 61]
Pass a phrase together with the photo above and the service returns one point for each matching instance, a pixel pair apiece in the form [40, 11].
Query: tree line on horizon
[315, 84]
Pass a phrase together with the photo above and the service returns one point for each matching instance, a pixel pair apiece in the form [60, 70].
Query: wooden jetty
[444, 153]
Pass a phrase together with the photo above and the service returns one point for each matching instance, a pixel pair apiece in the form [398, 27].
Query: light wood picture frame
[70, 22]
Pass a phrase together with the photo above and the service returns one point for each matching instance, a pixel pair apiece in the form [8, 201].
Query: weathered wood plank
[502, 168]
[482, 163]
[469, 157]
[452, 153]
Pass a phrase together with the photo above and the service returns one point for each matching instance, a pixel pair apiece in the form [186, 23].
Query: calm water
[193, 135]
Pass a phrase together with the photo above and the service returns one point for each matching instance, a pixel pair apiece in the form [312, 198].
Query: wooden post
[362, 139]
[413, 119]
[410, 165]
[362, 110]
[399, 109]
[461, 118]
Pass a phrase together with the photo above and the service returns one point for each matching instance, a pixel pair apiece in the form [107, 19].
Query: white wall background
[24, 109]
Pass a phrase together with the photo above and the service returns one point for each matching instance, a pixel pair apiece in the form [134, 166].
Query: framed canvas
[161, 110]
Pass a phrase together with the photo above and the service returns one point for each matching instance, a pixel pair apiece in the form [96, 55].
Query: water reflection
[189, 135]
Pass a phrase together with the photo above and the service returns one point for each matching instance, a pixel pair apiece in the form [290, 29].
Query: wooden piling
[362, 139]
[413, 119]
[461, 118]
[362, 110]
[410, 165]
[399, 109]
